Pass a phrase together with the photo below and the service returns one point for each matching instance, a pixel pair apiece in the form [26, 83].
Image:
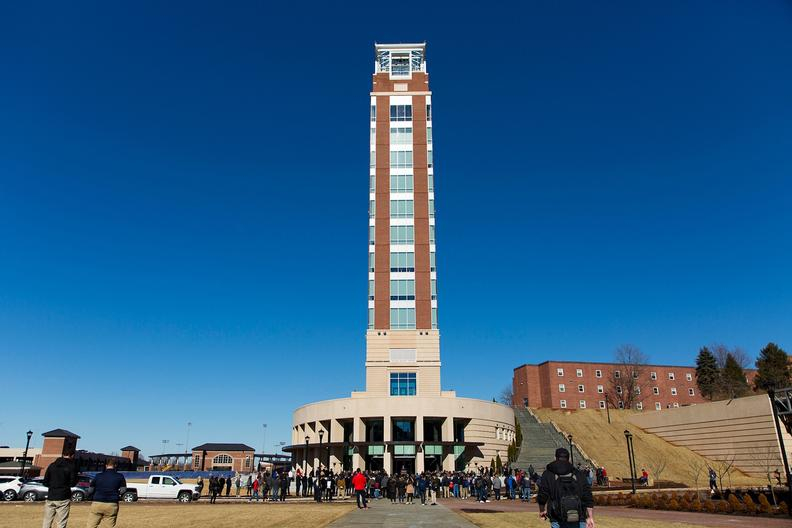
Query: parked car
[34, 490]
[160, 487]
[9, 487]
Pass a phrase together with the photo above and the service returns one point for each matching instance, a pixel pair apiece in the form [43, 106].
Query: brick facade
[539, 386]
[241, 461]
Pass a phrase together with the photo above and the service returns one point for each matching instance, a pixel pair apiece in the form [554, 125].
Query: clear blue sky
[183, 199]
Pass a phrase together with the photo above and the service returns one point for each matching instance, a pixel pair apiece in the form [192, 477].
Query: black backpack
[567, 504]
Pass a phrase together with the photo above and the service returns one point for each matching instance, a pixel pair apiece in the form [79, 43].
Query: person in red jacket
[359, 483]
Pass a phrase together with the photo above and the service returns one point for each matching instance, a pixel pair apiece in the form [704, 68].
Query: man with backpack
[564, 495]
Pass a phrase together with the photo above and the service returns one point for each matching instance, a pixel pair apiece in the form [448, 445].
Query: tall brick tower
[402, 341]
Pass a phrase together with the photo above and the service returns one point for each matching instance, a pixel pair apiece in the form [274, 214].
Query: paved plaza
[384, 513]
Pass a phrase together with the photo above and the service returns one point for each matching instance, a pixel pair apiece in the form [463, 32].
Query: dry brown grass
[531, 520]
[606, 444]
[175, 515]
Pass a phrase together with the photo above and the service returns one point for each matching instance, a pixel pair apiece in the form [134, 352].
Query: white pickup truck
[160, 487]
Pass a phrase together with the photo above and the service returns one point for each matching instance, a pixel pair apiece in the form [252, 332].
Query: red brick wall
[540, 385]
[237, 464]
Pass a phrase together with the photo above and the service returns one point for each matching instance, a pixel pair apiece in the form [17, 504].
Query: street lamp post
[321, 434]
[306, 455]
[24, 457]
[631, 457]
[571, 454]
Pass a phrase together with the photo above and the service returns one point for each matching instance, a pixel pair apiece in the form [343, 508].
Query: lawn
[175, 515]
[531, 520]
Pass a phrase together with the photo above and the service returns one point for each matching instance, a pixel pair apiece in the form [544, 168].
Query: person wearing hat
[564, 496]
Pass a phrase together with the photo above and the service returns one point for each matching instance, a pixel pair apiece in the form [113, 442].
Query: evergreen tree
[706, 373]
[498, 464]
[772, 368]
[732, 378]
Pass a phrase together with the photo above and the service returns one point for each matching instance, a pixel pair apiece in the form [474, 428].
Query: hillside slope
[606, 445]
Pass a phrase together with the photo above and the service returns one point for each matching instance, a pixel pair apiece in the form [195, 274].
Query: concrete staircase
[539, 442]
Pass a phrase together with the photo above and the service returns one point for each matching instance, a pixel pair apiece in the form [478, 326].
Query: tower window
[401, 159]
[402, 262]
[401, 183]
[401, 208]
[401, 136]
[402, 235]
[402, 318]
[403, 384]
[401, 113]
[402, 290]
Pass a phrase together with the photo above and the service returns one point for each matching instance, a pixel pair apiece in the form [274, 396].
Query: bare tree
[721, 352]
[506, 396]
[724, 468]
[657, 465]
[627, 383]
[769, 460]
[697, 469]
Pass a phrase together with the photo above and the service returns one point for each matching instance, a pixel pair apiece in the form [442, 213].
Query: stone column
[387, 434]
[448, 436]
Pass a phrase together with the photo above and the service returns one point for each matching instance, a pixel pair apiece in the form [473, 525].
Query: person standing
[107, 485]
[238, 483]
[60, 476]
[214, 489]
[228, 486]
[297, 482]
[565, 497]
[359, 482]
[496, 486]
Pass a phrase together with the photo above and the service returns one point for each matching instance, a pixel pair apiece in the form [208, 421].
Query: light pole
[631, 457]
[264, 439]
[187, 442]
[571, 454]
[306, 455]
[24, 457]
[321, 434]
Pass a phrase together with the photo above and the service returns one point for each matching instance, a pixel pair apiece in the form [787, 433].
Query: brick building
[583, 385]
[222, 457]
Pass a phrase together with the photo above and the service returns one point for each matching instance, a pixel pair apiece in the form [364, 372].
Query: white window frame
[618, 389]
[617, 374]
[639, 406]
[560, 372]
[673, 391]
[582, 404]
[602, 404]
[689, 376]
[600, 389]
[597, 373]
[563, 404]
[561, 387]
[671, 376]
[653, 375]
[579, 373]
[658, 406]
[581, 388]
[656, 391]
[691, 392]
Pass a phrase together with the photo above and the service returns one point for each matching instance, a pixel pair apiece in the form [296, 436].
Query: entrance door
[403, 465]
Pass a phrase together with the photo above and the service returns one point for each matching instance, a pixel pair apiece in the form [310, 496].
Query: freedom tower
[403, 421]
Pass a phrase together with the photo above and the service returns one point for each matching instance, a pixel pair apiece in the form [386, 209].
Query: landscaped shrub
[736, 505]
[750, 505]
[646, 501]
[709, 506]
[696, 505]
[724, 507]
[764, 504]
[673, 505]
[684, 504]
[783, 508]
[635, 501]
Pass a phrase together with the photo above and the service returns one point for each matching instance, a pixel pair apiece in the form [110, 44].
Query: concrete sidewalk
[383, 513]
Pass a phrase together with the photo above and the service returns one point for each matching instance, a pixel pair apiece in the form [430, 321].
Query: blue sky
[183, 199]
